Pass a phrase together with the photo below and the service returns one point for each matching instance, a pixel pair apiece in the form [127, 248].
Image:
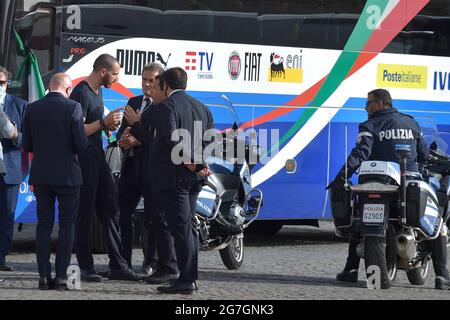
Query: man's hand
[15, 135]
[205, 172]
[129, 142]
[114, 119]
[131, 115]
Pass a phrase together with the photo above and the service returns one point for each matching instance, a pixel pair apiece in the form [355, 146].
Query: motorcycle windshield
[223, 111]
[431, 133]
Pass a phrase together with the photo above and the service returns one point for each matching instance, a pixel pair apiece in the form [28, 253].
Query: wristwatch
[102, 123]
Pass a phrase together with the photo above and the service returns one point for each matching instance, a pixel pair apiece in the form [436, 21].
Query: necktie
[148, 102]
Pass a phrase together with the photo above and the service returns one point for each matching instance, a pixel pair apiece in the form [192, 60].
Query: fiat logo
[234, 65]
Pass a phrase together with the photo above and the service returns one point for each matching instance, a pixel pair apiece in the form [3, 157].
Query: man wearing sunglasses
[378, 136]
[14, 109]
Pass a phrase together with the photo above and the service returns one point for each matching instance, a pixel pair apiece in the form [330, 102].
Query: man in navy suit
[53, 131]
[142, 129]
[132, 184]
[178, 183]
[10, 182]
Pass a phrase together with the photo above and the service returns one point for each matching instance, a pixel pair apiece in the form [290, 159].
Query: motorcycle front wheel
[233, 255]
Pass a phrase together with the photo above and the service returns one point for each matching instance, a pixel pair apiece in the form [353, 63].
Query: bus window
[131, 18]
[295, 23]
[34, 27]
[189, 19]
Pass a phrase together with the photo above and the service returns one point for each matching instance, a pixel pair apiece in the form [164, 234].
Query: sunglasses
[3, 82]
[368, 102]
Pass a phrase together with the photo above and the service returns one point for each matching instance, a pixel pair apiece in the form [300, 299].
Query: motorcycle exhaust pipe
[406, 245]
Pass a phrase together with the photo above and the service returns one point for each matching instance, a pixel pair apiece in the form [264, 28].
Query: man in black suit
[53, 131]
[177, 181]
[159, 234]
[132, 183]
[98, 194]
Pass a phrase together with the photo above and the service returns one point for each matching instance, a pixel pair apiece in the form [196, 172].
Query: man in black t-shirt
[98, 192]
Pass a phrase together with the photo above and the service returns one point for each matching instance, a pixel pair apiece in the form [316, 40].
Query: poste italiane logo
[402, 76]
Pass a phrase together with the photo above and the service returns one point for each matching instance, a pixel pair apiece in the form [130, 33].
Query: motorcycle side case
[340, 206]
[422, 207]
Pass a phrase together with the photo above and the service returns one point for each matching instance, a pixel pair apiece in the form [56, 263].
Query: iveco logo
[373, 164]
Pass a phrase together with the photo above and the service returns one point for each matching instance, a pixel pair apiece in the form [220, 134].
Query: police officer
[378, 136]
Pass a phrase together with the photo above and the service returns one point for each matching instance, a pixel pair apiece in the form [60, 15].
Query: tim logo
[201, 62]
[286, 68]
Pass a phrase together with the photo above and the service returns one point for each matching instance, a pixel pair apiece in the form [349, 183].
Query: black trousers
[180, 204]
[68, 200]
[9, 194]
[129, 196]
[159, 232]
[439, 256]
[99, 195]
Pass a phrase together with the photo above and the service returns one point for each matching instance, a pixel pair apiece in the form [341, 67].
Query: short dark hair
[382, 95]
[175, 78]
[153, 67]
[106, 61]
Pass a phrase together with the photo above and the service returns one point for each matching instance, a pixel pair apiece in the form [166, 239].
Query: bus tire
[266, 228]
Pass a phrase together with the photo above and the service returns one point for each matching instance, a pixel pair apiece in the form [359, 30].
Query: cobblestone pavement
[297, 263]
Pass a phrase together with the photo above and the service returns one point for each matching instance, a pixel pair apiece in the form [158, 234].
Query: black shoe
[90, 276]
[348, 276]
[6, 268]
[441, 283]
[123, 274]
[60, 284]
[179, 288]
[161, 277]
[103, 274]
[45, 283]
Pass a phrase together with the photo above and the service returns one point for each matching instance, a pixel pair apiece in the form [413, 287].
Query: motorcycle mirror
[291, 166]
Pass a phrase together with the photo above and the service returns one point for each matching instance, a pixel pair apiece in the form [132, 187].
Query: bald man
[54, 132]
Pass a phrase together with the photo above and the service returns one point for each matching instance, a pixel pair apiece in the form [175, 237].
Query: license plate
[373, 213]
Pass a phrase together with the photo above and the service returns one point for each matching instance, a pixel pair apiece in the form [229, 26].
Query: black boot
[439, 256]
[223, 227]
[350, 272]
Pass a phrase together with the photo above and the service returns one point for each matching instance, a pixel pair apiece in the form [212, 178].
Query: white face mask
[2, 93]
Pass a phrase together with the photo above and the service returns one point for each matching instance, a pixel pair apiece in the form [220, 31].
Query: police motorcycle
[396, 213]
[227, 196]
